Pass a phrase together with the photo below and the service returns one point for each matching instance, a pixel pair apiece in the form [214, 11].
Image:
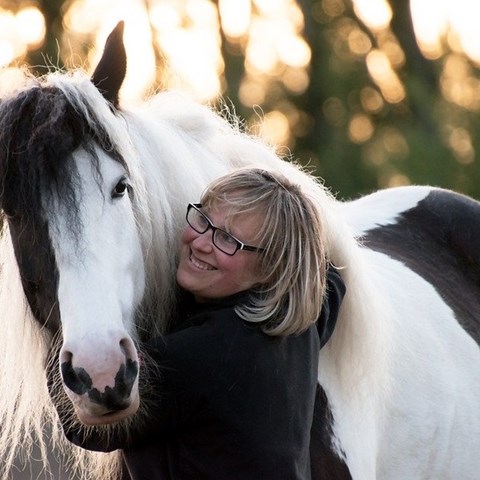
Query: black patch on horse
[439, 240]
[325, 463]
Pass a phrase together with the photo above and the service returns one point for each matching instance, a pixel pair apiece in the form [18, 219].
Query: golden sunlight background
[271, 38]
[268, 35]
[188, 33]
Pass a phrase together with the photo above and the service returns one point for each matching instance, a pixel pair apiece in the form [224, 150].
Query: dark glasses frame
[215, 230]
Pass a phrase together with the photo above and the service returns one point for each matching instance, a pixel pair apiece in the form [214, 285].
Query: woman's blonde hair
[293, 265]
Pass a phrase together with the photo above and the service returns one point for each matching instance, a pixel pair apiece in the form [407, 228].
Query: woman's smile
[197, 263]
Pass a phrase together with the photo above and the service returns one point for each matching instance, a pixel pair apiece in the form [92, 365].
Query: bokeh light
[360, 128]
[20, 31]
[235, 17]
[30, 25]
[191, 45]
[384, 75]
[182, 43]
[457, 21]
[269, 31]
[376, 14]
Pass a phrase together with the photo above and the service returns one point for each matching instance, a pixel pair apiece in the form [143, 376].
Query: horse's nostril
[128, 348]
[126, 376]
[76, 379]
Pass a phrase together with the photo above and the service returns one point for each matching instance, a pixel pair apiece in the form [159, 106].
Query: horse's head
[68, 198]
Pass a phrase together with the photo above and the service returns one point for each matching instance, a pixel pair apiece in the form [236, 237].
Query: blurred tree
[48, 55]
[330, 100]
[368, 110]
[368, 131]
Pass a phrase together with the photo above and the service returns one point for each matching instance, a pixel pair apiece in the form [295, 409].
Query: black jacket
[230, 401]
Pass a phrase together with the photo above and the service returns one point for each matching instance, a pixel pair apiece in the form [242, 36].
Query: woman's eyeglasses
[225, 242]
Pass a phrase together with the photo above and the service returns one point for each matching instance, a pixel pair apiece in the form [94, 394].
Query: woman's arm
[169, 391]
[331, 305]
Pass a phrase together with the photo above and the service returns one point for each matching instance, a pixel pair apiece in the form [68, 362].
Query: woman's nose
[203, 241]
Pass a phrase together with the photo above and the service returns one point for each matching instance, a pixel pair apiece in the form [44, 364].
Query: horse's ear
[110, 72]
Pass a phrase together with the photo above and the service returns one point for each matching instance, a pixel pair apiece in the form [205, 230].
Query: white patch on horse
[382, 207]
[101, 280]
[426, 427]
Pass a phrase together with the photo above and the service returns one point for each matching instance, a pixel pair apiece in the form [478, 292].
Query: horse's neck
[175, 170]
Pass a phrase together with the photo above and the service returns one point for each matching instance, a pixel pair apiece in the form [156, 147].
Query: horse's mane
[172, 147]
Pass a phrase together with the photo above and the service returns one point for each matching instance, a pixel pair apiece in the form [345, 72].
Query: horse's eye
[121, 188]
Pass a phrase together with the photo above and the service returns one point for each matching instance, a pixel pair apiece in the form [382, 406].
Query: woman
[237, 378]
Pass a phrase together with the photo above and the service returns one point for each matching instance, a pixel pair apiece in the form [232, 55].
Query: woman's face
[207, 272]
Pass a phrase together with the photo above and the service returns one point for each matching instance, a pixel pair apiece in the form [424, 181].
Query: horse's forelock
[40, 128]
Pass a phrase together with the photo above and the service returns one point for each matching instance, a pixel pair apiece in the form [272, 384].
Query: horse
[93, 196]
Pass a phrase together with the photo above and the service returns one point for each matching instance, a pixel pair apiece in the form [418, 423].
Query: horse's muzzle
[102, 391]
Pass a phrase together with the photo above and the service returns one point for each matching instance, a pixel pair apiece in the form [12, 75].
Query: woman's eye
[120, 188]
[202, 221]
[226, 238]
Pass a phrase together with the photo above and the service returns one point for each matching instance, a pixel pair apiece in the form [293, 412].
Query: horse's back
[434, 232]
[421, 250]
